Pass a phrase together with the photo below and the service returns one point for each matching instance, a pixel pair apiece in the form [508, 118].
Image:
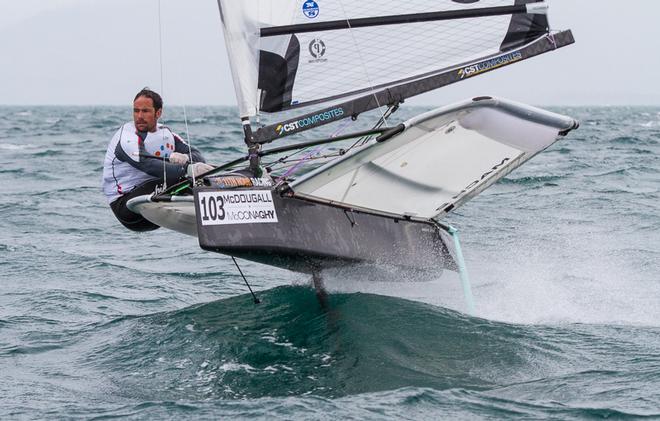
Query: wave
[361, 354]
[13, 171]
[634, 140]
[365, 352]
[404, 404]
[50, 153]
[573, 283]
[532, 180]
[290, 344]
[13, 147]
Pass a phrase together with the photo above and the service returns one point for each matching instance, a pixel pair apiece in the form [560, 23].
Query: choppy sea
[99, 322]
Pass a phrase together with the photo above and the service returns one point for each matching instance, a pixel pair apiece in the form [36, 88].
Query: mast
[254, 148]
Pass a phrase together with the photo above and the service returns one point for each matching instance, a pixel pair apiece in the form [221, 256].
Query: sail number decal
[236, 207]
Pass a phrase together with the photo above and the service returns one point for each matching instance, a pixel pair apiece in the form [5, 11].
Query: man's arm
[154, 167]
[181, 146]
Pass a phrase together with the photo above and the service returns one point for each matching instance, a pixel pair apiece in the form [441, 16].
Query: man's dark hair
[157, 100]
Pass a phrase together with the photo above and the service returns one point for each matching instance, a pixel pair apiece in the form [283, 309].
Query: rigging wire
[342, 151]
[286, 157]
[162, 93]
[190, 157]
[357, 48]
[160, 48]
[185, 118]
[309, 156]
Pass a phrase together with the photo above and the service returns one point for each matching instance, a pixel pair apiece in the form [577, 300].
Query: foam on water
[11, 147]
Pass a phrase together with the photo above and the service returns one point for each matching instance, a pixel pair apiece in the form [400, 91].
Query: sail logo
[484, 66]
[310, 9]
[286, 128]
[316, 49]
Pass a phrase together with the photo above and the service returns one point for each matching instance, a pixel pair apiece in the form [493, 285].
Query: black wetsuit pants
[131, 220]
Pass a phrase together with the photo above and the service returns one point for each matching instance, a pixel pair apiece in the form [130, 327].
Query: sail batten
[397, 19]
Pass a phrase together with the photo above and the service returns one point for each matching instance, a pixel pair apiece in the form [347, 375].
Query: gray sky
[103, 51]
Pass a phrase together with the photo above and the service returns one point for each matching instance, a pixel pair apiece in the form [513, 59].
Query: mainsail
[292, 53]
[376, 201]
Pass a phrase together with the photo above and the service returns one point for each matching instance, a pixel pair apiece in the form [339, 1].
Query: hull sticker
[236, 207]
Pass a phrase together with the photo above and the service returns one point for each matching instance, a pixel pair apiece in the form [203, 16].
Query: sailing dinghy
[379, 200]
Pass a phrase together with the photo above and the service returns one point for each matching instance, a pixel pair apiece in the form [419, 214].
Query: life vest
[120, 176]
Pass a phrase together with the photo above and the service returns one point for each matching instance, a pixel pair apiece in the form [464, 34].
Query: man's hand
[178, 158]
[194, 170]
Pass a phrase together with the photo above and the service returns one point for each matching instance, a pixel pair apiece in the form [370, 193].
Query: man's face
[145, 115]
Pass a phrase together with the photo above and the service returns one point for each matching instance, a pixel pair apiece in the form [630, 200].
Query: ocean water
[100, 322]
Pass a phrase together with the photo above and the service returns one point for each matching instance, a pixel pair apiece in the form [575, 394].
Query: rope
[300, 162]
[307, 157]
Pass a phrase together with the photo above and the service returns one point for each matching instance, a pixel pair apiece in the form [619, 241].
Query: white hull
[177, 215]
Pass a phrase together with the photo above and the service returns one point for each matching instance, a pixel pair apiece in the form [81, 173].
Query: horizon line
[407, 106]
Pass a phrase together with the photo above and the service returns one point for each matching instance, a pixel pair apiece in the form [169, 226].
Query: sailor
[141, 155]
